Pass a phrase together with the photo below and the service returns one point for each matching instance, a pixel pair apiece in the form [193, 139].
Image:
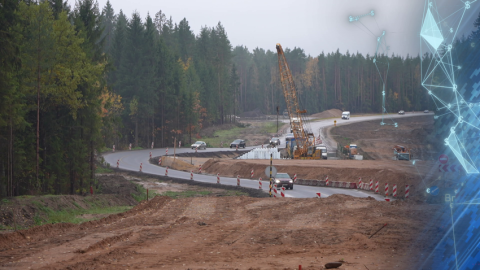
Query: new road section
[131, 160]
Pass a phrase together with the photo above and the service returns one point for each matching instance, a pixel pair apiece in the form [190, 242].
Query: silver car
[199, 145]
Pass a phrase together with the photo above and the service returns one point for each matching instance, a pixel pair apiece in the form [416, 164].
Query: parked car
[283, 180]
[426, 111]
[275, 141]
[401, 112]
[199, 145]
[239, 143]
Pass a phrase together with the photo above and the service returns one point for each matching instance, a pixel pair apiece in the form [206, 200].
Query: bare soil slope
[232, 233]
[327, 114]
[377, 141]
[393, 172]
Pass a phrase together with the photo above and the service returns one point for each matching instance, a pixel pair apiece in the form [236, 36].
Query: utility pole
[277, 117]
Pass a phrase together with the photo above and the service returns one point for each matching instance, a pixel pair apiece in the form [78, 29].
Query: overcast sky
[313, 25]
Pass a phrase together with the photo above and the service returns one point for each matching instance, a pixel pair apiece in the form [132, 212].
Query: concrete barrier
[321, 183]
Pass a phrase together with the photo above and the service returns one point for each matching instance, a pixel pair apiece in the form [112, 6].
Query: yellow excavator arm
[305, 142]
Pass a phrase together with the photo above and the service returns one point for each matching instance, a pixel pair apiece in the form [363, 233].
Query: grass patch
[103, 170]
[143, 193]
[238, 132]
[105, 149]
[235, 193]
[137, 148]
[186, 194]
[71, 215]
[226, 136]
[270, 127]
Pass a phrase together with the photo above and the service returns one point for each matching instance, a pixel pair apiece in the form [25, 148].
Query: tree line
[77, 80]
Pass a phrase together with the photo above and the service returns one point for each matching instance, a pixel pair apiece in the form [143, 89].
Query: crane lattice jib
[291, 99]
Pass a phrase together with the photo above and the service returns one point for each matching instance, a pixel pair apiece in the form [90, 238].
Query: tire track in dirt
[236, 232]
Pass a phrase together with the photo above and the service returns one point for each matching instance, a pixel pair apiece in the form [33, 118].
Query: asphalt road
[131, 160]
[318, 126]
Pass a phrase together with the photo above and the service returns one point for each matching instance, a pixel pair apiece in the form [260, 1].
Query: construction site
[242, 230]
[185, 224]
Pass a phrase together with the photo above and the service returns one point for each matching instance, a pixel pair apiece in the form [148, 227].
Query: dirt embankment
[234, 233]
[327, 114]
[27, 211]
[115, 189]
[391, 172]
[415, 133]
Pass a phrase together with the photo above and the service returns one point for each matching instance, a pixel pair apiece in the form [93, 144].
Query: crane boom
[303, 140]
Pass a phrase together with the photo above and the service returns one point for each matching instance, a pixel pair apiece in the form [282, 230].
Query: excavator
[304, 146]
[402, 153]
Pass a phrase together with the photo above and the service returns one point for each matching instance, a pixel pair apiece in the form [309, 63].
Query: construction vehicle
[401, 153]
[304, 147]
[351, 150]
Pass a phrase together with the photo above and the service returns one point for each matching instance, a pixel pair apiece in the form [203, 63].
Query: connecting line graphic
[356, 18]
[423, 181]
[453, 233]
[437, 38]
[381, 54]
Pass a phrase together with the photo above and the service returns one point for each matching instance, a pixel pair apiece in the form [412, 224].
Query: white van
[346, 115]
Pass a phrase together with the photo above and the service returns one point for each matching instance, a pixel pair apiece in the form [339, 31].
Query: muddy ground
[415, 133]
[233, 233]
[376, 141]
[219, 231]
[114, 189]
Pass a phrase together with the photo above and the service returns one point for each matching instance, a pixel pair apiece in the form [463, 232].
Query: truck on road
[346, 115]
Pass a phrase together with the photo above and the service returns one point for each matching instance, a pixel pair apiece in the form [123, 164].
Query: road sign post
[272, 172]
[271, 160]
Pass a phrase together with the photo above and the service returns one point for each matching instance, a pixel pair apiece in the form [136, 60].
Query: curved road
[130, 160]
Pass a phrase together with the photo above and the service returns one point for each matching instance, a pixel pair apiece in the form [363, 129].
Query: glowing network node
[441, 61]
[356, 18]
[430, 31]
[382, 49]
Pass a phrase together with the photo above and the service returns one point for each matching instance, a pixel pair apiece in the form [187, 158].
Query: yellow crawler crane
[304, 140]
